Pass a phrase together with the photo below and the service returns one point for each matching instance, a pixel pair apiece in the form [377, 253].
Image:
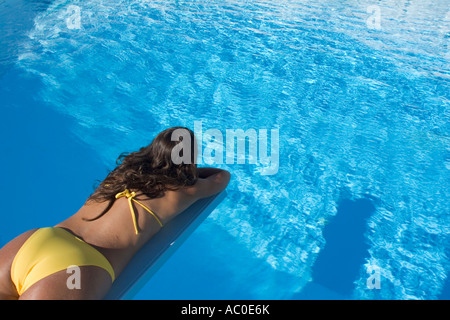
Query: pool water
[360, 96]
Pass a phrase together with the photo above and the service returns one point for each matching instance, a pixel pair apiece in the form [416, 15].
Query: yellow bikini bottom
[49, 250]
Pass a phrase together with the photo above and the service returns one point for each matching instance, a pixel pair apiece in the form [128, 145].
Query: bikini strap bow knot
[130, 196]
[126, 193]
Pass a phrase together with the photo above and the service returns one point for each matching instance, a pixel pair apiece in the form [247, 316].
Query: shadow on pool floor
[339, 262]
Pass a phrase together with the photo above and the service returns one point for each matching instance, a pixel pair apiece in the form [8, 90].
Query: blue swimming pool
[358, 91]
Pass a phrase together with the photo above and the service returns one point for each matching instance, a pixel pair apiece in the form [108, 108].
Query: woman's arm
[210, 182]
[205, 172]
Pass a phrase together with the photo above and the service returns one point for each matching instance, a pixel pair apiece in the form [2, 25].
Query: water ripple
[361, 112]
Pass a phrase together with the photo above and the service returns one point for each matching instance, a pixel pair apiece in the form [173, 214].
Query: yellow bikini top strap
[130, 196]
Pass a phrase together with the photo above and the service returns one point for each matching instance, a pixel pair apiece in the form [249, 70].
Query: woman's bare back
[113, 235]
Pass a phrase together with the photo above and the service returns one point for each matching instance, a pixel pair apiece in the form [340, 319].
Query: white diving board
[158, 249]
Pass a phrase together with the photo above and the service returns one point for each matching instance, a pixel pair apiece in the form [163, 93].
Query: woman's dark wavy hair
[149, 170]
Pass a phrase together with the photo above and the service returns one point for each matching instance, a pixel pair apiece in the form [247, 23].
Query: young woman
[144, 192]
